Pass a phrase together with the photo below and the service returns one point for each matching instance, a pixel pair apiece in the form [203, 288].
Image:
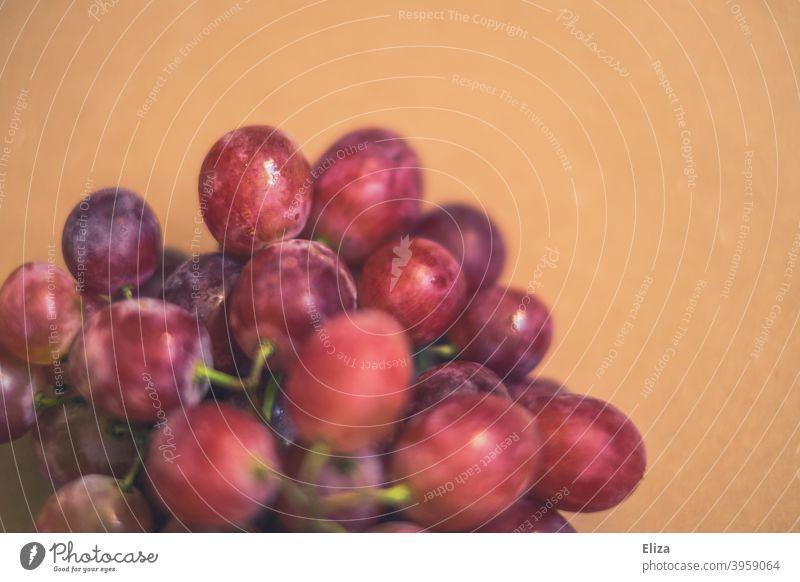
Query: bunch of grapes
[342, 363]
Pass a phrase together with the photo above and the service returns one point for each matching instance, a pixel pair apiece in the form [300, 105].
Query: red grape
[535, 393]
[94, 504]
[367, 190]
[505, 330]
[19, 382]
[136, 359]
[396, 527]
[350, 384]
[214, 466]
[417, 281]
[592, 451]
[41, 313]
[527, 516]
[472, 238]
[466, 459]
[71, 440]
[111, 239]
[285, 293]
[338, 475]
[200, 285]
[171, 259]
[255, 189]
[456, 377]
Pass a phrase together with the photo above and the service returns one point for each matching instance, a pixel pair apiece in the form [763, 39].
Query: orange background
[567, 152]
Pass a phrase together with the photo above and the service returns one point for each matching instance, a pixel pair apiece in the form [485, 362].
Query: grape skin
[528, 516]
[255, 189]
[137, 359]
[41, 313]
[111, 239]
[417, 281]
[19, 382]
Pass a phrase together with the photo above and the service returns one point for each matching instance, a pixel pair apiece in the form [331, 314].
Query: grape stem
[127, 292]
[270, 394]
[126, 483]
[314, 461]
[42, 402]
[395, 496]
[223, 380]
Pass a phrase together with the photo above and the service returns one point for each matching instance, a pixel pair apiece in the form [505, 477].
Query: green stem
[126, 483]
[314, 461]
[265, 350]
[395, 496]
[324, 241]
[270, 395]
[127, 292]
[447, 351]
[42, 402]
[224, 380]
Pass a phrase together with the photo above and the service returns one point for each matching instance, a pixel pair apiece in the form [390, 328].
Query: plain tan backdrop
[641, 157]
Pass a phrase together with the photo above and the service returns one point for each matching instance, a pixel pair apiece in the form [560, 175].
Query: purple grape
[19, 382]
[41, 313]
[255, 189]
[112, 239]
[527, 516]
[286, 293]
[94, 504]
[472, 238]
[535, 393]
[505, 330]
[137, 359]
[367, 191]
[200, 286]
[451, 378]
[71, 440]
[216, 465]
[418, 282]
[338, 475]
[171, 259]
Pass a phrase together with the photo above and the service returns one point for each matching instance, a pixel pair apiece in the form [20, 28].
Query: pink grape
[451, 378]
[534, 393]
[255, 189]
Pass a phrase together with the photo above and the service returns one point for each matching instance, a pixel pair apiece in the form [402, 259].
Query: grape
[533, 394]
[527, 516]
[349, 386]
[418, 282]
[593, 454]
[171, 259]
[214, 466]
[70, 440]
[456, 377]
[285, 293]
[338, 475]
[136, 359]
[465, 460]
[255, 189]
[111, 239]
[396, 527]
[175, 526]
[367, 190]
[94, 504]
[19, 382]
[472, 238]
[505, 330]
[200, 285]
[41, 313]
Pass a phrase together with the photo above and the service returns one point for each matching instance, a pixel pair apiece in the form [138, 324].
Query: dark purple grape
[472, 238]
[41, 313]
[112, 239]
[451, 378]
[137, 359]
[535, 393]
[285, 294]
[71, 440]
[367, 191]
[349, 387]
[505, 330]
[417, 281]
[465, 460]
[255, 189]
[171, 259]
[593, 455]
[527, 516]
[338, 475]
[200, 286]
[19, 382]
[94, 504]
[216, 465]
